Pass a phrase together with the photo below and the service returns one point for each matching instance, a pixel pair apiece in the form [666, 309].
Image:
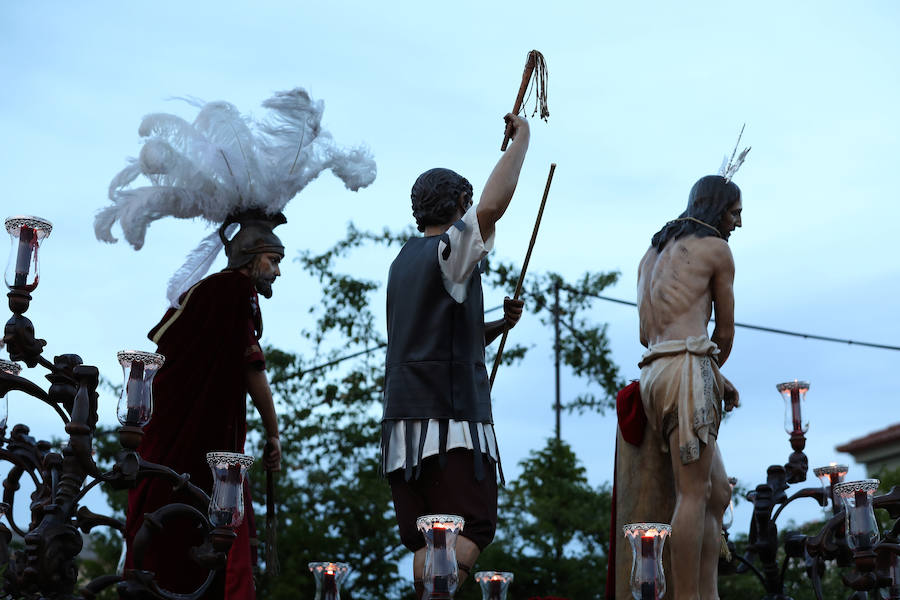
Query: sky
[644, 99]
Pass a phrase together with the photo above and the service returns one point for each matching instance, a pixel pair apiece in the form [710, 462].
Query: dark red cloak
[632, 419]
[200, 406]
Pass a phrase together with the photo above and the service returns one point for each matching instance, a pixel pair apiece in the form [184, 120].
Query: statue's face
[731, 220]
[264, 270]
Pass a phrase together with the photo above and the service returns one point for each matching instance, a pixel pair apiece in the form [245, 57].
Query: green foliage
[584, 347]
[889, 478]
[332, 504]
[553, 531]
[104, 544]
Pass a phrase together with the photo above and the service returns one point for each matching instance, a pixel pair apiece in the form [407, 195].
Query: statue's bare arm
[722, 288]
[643, 295]
[500, 186]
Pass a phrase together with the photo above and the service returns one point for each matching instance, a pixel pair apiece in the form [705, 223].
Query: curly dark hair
[435, 195]
[710, 197]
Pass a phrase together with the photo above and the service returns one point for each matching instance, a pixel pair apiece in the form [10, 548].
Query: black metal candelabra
[849, 539]
[47, 566]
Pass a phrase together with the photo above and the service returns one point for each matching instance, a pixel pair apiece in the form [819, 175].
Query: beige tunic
[681, 388]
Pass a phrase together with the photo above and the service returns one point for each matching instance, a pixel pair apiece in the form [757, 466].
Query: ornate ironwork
[47, 566]
[864, 570]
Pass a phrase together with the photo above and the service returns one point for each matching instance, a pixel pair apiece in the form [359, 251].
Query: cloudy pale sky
[644, 98]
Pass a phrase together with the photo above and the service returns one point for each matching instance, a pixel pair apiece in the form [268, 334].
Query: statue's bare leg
[720, 494]
[693, 488]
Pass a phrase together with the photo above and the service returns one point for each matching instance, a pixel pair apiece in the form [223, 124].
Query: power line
[809, 336]
[341, 359]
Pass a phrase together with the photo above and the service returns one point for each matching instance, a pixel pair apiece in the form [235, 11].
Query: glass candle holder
[831, 475]
[13, 369]
[494, 584]
[648, 582]
[859, 515]
[226, 506]
[441, 577]
[136, 402]
[794, 394]
[329, 577]
[26, 235]
[728, 517]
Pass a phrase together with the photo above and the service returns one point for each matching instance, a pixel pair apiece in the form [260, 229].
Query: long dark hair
[710, 197]
[435, 195]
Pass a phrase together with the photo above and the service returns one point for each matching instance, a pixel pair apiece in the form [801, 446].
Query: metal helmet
[255, 236]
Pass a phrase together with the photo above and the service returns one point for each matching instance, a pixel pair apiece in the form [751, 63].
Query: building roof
[876, 439]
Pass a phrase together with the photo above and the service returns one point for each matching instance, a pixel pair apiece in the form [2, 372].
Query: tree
[554, 529]
[331, 439]
[333, 503]
[584, 346]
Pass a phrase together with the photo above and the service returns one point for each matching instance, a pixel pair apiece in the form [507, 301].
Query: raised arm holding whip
[535, 73]
[439, 449]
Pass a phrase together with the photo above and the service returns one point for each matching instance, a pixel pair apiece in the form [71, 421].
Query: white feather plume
[224, 162]
[221, 163]
[197, 264]
[730, 165]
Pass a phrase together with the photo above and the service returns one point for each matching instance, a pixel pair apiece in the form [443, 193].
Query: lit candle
[23, 259]
[495, 587]
[329, 585]
[861, 518]
[441, 566]
[648, 568]
[135, 391]
[795, 409]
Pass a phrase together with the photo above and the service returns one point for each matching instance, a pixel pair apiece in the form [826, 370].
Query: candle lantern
[441, 576]
[648, 582]
[830, 476]
[859, 515]
[26, 234]
[794, 393]
[494, 584]
[13, 369]
[728, 517]
[136, 402]
[329, 577]
[226, 506]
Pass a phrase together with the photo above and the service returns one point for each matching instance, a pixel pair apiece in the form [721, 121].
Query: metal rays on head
[731, 165]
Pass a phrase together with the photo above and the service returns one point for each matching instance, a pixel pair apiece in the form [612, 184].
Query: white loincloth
[681, 388]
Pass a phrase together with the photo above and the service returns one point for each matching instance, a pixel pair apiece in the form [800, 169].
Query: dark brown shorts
[452, 490]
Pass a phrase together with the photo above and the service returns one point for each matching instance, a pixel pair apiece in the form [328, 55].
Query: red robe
[200, 406]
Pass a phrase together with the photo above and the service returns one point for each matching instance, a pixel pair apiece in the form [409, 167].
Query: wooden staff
[272, 566]
[517, 105]
[537, 224]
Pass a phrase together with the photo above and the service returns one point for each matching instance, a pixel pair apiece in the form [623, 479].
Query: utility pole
[556, 351]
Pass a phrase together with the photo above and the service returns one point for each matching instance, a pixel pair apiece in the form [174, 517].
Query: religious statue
[213, 360]
[687, 273]
[668, 465]
[238, 173]
[439, 450]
